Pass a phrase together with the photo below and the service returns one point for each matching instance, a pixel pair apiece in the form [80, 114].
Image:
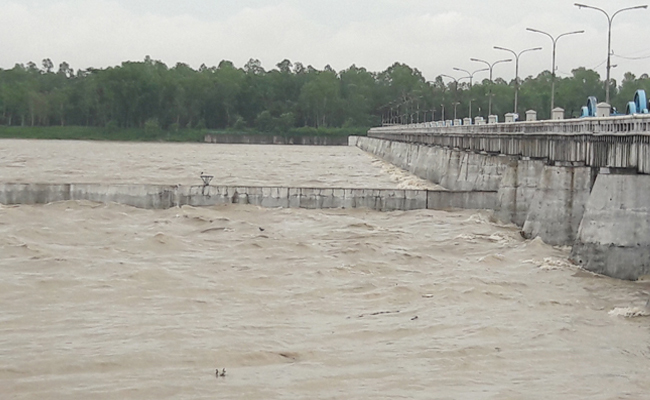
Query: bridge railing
[638, 124]
[620, 142]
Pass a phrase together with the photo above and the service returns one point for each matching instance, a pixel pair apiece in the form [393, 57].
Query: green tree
[321, 99]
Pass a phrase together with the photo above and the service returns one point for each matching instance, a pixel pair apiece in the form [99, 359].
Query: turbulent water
[111, 302]
[171, 164]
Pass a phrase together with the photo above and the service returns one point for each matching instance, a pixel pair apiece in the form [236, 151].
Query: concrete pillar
[603, 110]
[613, 237]
[449, 123]
[479, 121]
[467, 121]
[531, 115]
[493, 119]
[557, 113]
[517, 189]
[511, 117]
[558, 204]
[458, 122]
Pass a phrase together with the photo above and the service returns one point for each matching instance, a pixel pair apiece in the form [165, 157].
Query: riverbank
[170, 135]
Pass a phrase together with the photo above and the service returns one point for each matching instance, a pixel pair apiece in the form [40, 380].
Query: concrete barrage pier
[583, 182]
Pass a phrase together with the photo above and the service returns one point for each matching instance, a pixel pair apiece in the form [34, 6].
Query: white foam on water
[630, 312]
[480, 218]
[550, 263]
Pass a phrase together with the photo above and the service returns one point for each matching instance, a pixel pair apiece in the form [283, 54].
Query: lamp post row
[554, 41]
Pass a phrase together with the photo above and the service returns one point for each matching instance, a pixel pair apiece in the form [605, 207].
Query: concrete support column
[613, 237]
[557, 113]
[603, 110]
[517, 189]
[558, 204]
[531, 115]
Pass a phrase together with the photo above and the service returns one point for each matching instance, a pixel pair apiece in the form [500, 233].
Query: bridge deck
[616, 142]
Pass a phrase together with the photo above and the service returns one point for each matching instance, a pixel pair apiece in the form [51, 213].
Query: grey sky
[433, 36]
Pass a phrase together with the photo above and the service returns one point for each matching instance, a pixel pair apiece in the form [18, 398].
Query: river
[104, 301]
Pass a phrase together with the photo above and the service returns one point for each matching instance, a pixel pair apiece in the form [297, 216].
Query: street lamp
[517, 68]
[470, 75]
[554, 40]
[490, 66]
[433, 91]
[456, 103]
[609, 38]
[455, 92]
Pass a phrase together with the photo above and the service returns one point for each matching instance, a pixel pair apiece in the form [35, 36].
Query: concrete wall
[546, 201]
[453, 169]
[142, 196]
[160, 197]
[447, 200]
[277, 139]
[376, 199]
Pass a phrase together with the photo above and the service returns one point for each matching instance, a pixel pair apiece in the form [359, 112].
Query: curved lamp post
[517, 68]
[433, 109]
[554, 40]
[490, 66]
[470, 75]
[609, 38]
[455, 92]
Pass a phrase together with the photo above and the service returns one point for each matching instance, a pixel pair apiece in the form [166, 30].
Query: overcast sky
[431, 35]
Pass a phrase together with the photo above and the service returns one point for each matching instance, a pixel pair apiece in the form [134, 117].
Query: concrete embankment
[546, 201]
[605, 216]
[277, 139]
[452, 169]
[161, 197]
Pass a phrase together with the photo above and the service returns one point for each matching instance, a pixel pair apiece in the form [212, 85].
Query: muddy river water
[104, 301]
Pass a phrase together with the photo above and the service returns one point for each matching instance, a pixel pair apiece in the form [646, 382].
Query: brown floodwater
[104, 301]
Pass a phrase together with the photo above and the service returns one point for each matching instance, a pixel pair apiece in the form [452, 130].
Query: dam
[581, 182]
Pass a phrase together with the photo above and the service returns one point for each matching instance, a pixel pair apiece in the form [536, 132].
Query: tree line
[150, 94]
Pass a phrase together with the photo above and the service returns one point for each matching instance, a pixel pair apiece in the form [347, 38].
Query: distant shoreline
[159, 135]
